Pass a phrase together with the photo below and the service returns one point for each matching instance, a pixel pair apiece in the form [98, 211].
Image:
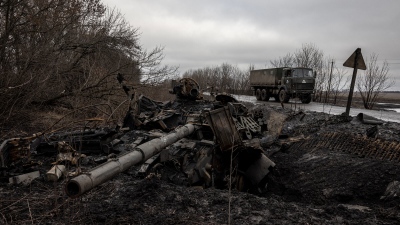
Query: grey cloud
[205, 33]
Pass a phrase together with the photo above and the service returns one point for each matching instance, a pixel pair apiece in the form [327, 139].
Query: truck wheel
[283, 96]
[258, 94]
[264, 95]
[306, 99]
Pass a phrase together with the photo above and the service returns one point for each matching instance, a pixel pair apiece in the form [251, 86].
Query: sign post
[355, 61]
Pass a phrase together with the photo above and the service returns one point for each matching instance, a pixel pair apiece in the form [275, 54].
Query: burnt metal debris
[366, 119]
[360, 145]
[18, 150]
[204, 142]
[186, 88]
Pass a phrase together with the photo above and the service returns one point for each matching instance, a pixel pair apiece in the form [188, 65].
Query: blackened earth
[307, 186]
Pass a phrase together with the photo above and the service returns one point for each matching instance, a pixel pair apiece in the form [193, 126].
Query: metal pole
[353, 81]
[102, 173]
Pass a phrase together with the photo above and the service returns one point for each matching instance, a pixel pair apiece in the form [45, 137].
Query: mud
[315, 181]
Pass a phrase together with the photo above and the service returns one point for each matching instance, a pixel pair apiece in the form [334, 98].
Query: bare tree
[322, 81]
[285, 61]
[339, 82]
[151, 68]
[374, 81]
[309, 56]
[224, 78]
[63, 52]
[244, 80]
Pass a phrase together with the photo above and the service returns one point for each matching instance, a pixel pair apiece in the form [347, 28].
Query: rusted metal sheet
[224, 128]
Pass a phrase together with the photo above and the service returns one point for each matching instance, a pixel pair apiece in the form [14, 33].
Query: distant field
[387, 97]
[390, 98]
[393, 97]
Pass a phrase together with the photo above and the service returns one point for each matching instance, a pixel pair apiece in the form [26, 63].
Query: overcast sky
[197, 34]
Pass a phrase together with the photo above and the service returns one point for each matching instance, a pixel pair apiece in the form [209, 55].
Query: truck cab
[297, 82]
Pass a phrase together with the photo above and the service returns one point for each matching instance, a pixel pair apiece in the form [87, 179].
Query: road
[384, 115]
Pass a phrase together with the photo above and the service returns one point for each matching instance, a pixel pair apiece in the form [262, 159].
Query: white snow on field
[245, 98]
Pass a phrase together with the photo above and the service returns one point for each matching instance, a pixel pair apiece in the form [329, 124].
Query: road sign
[351, 61]
[355, 61]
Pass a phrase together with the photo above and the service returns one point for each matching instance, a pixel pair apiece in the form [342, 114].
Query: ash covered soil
[334, 174]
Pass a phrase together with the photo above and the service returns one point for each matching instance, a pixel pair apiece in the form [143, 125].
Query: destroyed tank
[201, 151]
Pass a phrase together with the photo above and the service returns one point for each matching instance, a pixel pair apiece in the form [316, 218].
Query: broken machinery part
[186, 88]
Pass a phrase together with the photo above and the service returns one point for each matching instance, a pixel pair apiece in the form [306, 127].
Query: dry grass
[39, 119]
[158, 93]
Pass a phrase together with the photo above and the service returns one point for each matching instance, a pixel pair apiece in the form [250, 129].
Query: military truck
[283, 83]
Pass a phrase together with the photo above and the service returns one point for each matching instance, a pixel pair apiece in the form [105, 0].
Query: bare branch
[374, 81]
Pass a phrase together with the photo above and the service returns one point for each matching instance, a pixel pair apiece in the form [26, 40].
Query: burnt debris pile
[208, 143]
[304, 167]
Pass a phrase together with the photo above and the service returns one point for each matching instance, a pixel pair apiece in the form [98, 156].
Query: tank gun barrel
[85, 182]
